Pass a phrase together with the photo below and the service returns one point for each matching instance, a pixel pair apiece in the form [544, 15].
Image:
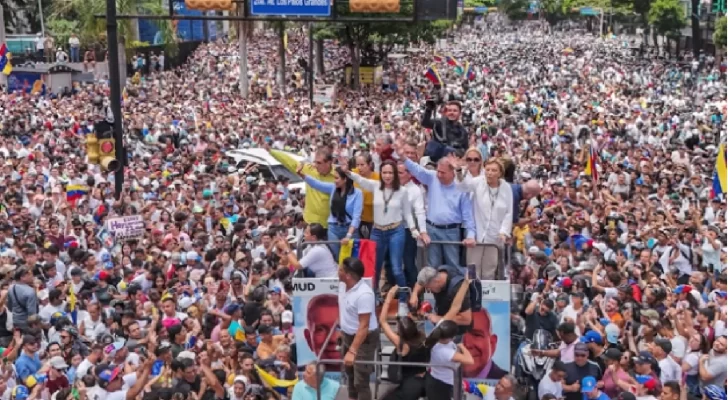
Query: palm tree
[93, 30]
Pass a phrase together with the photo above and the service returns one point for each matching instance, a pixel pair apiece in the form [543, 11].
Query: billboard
[316, 310]
[489, 340]
[312, 8]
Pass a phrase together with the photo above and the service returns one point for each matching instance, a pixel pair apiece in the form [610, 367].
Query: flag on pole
[591, 164]
[437, 58]
[469, 71]
[281, 386]
[719, 175]
[433, 75]
[3, 50]
[363, 249]
[451, 61]
[72, 304]
[5, 65]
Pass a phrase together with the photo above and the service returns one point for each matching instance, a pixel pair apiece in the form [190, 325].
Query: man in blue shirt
[448, 210]
[28, 366]
[590, 391]
[306, 388]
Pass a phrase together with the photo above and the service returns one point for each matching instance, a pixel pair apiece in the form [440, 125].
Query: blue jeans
[436, 150]
[75, 53]
[409, 259]
[392, 241]
[337, 232]
[443, 254]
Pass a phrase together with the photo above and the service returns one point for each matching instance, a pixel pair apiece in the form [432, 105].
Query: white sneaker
[402, 310]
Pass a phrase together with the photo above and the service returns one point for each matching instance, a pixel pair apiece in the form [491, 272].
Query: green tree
[61, 29]
[92, 30]
[721, 30]
[371, 42]
[514, 9]
[667, 17]
[480, 3]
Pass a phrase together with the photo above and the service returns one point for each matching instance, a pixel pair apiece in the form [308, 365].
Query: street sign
[310, 8]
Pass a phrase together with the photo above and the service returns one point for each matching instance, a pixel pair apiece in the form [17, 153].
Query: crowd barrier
[378, 364]
[503, 271]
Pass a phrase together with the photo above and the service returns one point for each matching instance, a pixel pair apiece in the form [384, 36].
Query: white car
[268, 166]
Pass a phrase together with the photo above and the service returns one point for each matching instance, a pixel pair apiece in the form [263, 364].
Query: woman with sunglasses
[492, 208]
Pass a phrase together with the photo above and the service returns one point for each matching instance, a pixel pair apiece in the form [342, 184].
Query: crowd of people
[566, 162]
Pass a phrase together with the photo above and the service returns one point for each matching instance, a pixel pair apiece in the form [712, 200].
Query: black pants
[437, 389]
[411, 388]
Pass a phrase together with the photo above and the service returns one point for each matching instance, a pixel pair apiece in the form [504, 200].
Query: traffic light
[107, 155]
[210, 5]
[92, 148]
[374, 6]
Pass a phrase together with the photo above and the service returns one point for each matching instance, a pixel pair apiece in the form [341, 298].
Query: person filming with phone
[448, 133]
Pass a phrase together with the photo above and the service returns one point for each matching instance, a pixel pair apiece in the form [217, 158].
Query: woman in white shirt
[391, 208]
[445, 357]
[493, 211]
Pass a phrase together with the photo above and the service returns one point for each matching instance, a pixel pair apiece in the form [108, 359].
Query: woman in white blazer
[493, 211]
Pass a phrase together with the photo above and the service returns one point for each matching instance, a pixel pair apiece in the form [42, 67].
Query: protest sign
[124, 228]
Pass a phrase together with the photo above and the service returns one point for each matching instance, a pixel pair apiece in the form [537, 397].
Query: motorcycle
[530, 369]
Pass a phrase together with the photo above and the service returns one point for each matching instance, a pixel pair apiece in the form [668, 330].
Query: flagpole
[3, 78]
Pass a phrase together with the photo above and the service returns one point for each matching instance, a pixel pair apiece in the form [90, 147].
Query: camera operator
[448, 134]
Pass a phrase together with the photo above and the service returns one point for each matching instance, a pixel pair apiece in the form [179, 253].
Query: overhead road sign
[310, 8]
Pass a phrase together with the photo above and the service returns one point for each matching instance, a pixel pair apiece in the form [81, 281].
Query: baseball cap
[592, 337]
[57, 362]
[647, 381]
[682, 289]
[581, 348]
[109, 373]
[612, 332]
[588, 384]
[112, 348]
[230, 309]
[613, 354]
[644, 357]
[650, 314]
[287, 317]
[20, 392]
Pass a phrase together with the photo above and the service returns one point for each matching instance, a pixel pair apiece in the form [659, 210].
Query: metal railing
[457, 378]
[502, 272]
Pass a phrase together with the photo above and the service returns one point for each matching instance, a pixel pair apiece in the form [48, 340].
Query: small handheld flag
[437, 58]
[451, 61]
[279, 385]
[719, 175]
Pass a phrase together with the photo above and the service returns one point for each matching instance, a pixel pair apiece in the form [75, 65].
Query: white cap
[287, 317]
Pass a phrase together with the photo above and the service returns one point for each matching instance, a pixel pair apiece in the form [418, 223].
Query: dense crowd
[569, 163]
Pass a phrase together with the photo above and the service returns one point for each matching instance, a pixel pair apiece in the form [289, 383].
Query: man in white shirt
[669, 369]
[552, 382]
[359, 327]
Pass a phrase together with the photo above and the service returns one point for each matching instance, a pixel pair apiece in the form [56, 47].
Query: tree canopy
[721, 30]
[667, 17]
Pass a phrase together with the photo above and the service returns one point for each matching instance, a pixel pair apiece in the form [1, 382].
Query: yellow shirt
[367, 211]
[317, 208]
[519, 233]
[265, 350]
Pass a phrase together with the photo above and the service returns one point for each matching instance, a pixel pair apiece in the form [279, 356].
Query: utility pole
[115, 88]
[243, 50]
[310, 63]
[3, 78]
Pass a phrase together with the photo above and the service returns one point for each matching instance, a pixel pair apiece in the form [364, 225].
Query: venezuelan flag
[363, 249]
[437, 58]
[279, 385]
[719, 175]
[451, 61]
[236, 331]
[469, 71]
[75, 192]
[3, 50]
[72, 302]
[5, 65]
[591, 164]
[433, 76]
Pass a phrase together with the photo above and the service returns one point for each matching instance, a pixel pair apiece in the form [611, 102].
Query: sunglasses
[472, 159]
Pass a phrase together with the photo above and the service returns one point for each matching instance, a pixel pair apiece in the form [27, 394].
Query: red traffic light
[106, 147]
